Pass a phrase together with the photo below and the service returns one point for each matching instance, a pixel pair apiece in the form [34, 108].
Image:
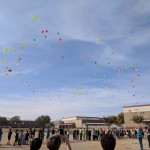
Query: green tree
[3, 121]
[137, 118]
[15, 120]
[120, 118]
[42, 121]
[49, 125]
[110, 120]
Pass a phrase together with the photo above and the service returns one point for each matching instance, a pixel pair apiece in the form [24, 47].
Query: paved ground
[123, 144]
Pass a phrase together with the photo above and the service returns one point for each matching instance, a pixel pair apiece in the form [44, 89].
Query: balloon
[99, 65]
[34, 17]
[60, 42]
[98, 39]
[21, 47]
[9, 70]
[6, 50]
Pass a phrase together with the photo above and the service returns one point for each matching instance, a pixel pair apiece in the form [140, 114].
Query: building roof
[82, 117]
[137, 105]
[146, 120]
[96, 123]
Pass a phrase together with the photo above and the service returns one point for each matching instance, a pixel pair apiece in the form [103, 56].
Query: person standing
[53, 131]
[89, 135]
[140, 136]
[40, 134]
[74, 134]
[84, 134]
[24, 138]
[33, 133]
[20, 139]
[1, 132]
[16, 138]
[81, 133]
[77, 134]
[93, 134]
[9, 136]
[98, 134]
[30, 134]
[27, 138]
[47, 133]
[68, 132]
[148, 136]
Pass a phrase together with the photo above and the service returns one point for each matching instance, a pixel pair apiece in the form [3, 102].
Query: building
[130, 111]
[82, 122]
[21, 124]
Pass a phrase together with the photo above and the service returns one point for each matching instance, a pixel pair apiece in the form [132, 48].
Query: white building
[83, 122]
[129, 111]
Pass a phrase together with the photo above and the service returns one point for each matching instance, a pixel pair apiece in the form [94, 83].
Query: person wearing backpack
[140, 136]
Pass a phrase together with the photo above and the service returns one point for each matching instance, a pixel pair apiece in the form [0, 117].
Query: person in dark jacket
[54, 142]
[1, 133]
[108, 142]
[36, 144]
[27, 138]
[16, 138]
[148, 136]
[9, 136]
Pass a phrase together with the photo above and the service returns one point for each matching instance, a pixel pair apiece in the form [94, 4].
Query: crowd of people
[93, 134]
[27, 137]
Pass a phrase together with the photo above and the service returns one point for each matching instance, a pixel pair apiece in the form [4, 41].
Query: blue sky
[101, 65]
